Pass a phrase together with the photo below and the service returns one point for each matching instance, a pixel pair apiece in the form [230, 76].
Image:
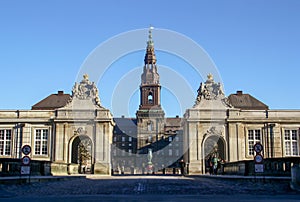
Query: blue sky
[255, 45]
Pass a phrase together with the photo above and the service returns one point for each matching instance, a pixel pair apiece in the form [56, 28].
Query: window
[254, 136]
[41, 142]
[177, 138]
[123, 139]
[150, 126]
[150, 98]
[170, 152]
[170, 139]
[291, 142]
[115, 138]
[130, 139]
[5, 142]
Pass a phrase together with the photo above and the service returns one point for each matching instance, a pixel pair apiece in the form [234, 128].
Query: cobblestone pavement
[145, 185]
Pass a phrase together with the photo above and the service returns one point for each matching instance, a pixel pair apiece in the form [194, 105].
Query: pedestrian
[214, 162]
[210, 165]
[182, 166]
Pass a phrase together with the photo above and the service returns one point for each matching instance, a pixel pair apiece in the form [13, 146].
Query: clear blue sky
[254, 44]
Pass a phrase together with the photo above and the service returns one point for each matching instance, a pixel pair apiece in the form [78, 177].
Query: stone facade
[75, 133]
[214, 122]
[74, 138]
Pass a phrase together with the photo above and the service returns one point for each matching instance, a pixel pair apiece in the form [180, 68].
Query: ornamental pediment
[211, 95]
[84, 95]
[86, 90]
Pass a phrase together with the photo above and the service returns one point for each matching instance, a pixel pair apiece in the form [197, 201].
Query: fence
[272, 167]
[11, 167]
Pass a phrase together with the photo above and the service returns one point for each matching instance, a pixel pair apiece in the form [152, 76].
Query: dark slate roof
[246, 101]
[52, 102]
[125, 125]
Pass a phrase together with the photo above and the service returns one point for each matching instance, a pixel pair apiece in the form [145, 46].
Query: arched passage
[81, 153]
[213, 146]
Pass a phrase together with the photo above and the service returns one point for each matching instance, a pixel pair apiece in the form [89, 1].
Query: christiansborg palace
[74, 133]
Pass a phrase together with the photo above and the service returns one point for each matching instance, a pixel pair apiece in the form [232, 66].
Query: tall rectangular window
[150, 126]
[291, 142]
[41, 142]
[5, 142]
[254, 136]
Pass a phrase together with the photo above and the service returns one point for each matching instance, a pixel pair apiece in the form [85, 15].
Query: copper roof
[52, 102]
[246, 101]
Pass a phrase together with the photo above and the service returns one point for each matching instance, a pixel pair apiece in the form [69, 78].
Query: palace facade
[76, 134]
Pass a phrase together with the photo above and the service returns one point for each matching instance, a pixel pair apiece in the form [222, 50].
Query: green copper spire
[150, 54]
[150, 41]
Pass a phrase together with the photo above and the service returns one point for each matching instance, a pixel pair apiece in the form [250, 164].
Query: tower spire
[150, 41]
[150, 54]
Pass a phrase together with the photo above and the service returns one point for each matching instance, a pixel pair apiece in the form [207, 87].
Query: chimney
[60, 92]
[239, 92]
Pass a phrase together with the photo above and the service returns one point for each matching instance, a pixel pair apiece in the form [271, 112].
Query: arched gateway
[82, 153]
[205, 126]
[83, 133]
[213, 145]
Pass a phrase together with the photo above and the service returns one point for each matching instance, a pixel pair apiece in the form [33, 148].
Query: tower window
[150, 126]
[150, 98]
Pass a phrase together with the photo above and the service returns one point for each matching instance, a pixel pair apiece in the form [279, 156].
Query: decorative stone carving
[214, 131]
[86, 90]
[210, 90]
[80, 131]
[226, 102]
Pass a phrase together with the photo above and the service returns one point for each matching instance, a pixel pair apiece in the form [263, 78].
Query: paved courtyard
[150, 187]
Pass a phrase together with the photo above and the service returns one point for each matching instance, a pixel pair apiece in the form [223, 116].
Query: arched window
[150, 98]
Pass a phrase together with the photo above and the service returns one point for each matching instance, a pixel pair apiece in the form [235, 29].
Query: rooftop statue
[86, 90]
[210, 90]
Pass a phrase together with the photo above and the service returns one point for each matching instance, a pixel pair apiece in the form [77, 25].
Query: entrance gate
[213, 146]
[82, 153]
